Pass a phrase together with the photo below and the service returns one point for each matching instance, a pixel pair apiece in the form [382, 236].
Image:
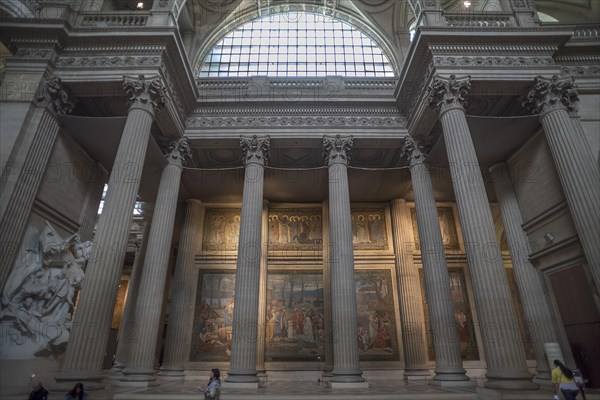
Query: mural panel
[462, 313]
[368, 229]
[221, 229]
[294, 316]
[295, 228]
[377, 331]
[447, 226]
[213, 316]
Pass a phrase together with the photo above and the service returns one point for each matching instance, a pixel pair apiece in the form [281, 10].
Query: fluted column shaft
[409, 291]
[89, 212]
[140, 365]
[327, 249]
[21, 180]
[343, 286]
[535, 304]
[247, 281]
[579, 176]
[89, 334]
[179, 330]
[127, 330]
[448, 361]
[553, 99]
[262, 296]
[505, 358]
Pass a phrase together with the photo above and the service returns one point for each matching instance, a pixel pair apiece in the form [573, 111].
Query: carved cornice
[552, 94]
[178, 151]
[580, 70]
[337, 149]
[413, 152]
[146, 93]
[108, 62]
[295, 121]
[52, 95]
[256, 149]
[491, 61]
[448, 93]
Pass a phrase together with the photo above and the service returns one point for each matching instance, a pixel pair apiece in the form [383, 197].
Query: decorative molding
[520, 4]
[527, 49]
[444, 94]
[256, 149]
[337, 149]
[34, 53]
[551, 94]
[371, 84]
[146, 93]
[52, 95]
[414, 152]
[310, 110]
[109, 62]
[295, 121]
[580, 70]
[297, 84]
[119, 19]
[177, 151]
[491, 61]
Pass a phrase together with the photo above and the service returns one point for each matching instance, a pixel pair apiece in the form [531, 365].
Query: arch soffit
[236, 19]
[16, 9]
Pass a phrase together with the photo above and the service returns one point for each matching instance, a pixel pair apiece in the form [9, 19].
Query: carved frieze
[491, 61]
[52, 95]
[109, 62]
[34, 53]
[337, 149]
[295, 121]
[551, 94]
[580, 70]
[256, 149]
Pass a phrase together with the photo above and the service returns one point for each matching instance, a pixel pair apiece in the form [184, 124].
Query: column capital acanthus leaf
[551, 94]
[256, 149]
[148, 93]
[51, 94]
[177, 151]
[447, 93]
[414, 152]
[337, 149]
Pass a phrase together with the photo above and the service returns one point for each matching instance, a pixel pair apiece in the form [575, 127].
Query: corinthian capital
[52, 95]
[177, 151]
[146, 93]
[256, 149]
[552, 94]
[444, 94]
[413, 152]
[337, 149]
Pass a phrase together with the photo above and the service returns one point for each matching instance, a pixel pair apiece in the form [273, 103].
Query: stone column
[449, 370]
[89, 335]
[242, 370]
[262, 296]
[140, 365]
[506, 367]
[346, 370]
[535, 303]
[409, 292]
[22, 178]
[128, 331]
[179, 330]
[328, 345]
[577, 169]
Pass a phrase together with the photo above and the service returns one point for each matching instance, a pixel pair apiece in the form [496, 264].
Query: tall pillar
[262, 296]
[409, 291]
[506, 367]
[577, 170]
[242, 368]
[128, 329]
[449, 370]
[140, 365]
[535, 303]
[343, 287]
[179, 330]
[328, 345]
[89, 335]
[21, 179]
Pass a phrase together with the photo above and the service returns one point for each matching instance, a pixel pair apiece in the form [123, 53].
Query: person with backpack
[564, 379]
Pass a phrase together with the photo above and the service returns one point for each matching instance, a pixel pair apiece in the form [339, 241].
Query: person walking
[38, 391]
[77, 393]
[563, 379]
[213, 389]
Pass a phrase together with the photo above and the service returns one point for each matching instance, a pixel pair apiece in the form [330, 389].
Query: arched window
[296, 44]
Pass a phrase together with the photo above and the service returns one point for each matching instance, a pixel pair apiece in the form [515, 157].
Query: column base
[510, 380]
[239, 385]
[543, 379]
[463, 383]
[242, 376]
[347, 376]
[171, 374]
[452, 377]
[417, 374]
[143, 377]
[349, 385]
[262, 378]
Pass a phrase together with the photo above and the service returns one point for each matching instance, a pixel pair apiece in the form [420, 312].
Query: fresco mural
[447, 226]
[368, 229]
[462, 313]
[295, 324]
[377, 332]
[221, 229]
[213, 316]
[295, 228]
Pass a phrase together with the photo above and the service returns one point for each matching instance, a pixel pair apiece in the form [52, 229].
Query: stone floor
[381, 390]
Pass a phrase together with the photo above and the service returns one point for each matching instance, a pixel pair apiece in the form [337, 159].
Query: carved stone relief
[39, 296]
